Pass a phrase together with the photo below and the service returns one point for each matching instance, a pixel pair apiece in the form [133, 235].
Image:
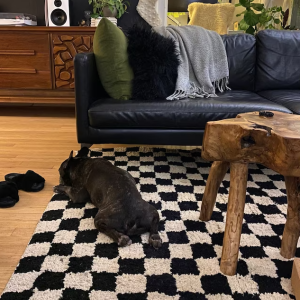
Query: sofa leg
[86, 145]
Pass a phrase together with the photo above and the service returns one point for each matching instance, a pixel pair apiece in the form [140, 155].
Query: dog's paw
[155, 241]
[124, 241]
[59, 189]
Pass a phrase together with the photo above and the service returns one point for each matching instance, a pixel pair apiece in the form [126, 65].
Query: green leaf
[263, 18]
[245, 3]
[250, 30]
[257, 6]
[120, 5]
[251, 18]
[243, 25]
[238, 4]
[277, 21]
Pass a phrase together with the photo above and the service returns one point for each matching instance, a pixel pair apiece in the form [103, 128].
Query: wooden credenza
[36, 63]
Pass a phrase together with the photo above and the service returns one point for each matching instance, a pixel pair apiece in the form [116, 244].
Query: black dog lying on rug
[122, 211]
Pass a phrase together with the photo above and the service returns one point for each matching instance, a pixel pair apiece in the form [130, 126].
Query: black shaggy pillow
[154, 61]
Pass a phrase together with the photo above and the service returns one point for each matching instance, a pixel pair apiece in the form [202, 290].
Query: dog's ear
[71, 155]
[66, 162]
[83, 152]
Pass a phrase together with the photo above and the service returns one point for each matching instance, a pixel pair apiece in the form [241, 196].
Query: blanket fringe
[195, 91]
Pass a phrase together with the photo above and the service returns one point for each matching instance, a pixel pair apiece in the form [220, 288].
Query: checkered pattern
[68, 259]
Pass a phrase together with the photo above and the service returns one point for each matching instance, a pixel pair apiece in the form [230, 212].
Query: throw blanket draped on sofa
[204, 66]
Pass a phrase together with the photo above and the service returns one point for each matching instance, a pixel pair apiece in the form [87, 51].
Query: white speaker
[57, 12]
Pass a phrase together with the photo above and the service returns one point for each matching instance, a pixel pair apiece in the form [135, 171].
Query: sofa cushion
[288, 98]
[241, 54]
[154, 61]
[278, 60]
[110, 49]
[181, 114]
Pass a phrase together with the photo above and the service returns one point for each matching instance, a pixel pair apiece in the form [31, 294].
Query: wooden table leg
[216, 175]
[292, 227]
[234, 219]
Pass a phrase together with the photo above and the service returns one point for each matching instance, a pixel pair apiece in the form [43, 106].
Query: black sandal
[9, 194]
[29, 182]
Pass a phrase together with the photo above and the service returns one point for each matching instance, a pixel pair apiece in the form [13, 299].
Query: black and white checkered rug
[68, 259]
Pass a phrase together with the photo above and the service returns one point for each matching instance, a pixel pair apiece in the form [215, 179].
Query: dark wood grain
[272, 142]
[73, 29]
[215, 178]
[292, 227]
[37, 100]
[17, 52]
[37, 97]
[251, 138]
[17, 71]
[39, 61]
[25, 61]
[36, 63]
[65, 48]
[39, 80]
[27, 40]
[234, 218]
[30, 93]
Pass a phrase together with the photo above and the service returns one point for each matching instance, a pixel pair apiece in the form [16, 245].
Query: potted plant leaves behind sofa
[108, 8]
[257, 17]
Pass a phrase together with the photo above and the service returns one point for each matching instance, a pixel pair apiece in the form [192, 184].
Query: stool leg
[234, 218]
[292, 227]
[216, 176]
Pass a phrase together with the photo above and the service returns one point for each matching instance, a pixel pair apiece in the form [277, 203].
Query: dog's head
[66, 167]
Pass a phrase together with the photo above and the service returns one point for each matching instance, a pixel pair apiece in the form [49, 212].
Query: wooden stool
[252, 138]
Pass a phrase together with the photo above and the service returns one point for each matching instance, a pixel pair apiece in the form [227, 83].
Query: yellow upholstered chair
[217, 17]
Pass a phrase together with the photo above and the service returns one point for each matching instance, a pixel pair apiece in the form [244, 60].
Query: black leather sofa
[264, 75]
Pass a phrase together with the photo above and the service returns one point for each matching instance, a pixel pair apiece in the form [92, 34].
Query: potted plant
[108, 8]
[257, 17]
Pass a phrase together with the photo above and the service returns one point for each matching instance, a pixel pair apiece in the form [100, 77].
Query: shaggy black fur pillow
[154, 61]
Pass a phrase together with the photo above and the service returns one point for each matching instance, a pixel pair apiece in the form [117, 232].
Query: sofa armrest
[88, 89]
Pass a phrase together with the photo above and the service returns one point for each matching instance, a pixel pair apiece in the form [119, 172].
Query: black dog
[122, 211]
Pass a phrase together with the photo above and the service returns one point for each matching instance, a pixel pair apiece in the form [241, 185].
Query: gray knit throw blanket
[204, 65]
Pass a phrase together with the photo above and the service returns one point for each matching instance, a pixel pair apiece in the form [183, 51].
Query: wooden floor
[36, 139]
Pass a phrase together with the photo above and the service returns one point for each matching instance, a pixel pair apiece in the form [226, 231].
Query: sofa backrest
[278, 60]
[241, 54]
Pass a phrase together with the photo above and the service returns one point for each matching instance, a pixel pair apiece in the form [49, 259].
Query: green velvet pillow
[110, 49]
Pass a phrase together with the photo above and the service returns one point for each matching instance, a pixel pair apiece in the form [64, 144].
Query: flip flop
[9, 194]
[29, 182]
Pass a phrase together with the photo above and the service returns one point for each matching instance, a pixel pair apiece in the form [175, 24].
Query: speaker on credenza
[57, 12]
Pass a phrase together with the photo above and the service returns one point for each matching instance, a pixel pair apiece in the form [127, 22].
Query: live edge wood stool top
[252, 138]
